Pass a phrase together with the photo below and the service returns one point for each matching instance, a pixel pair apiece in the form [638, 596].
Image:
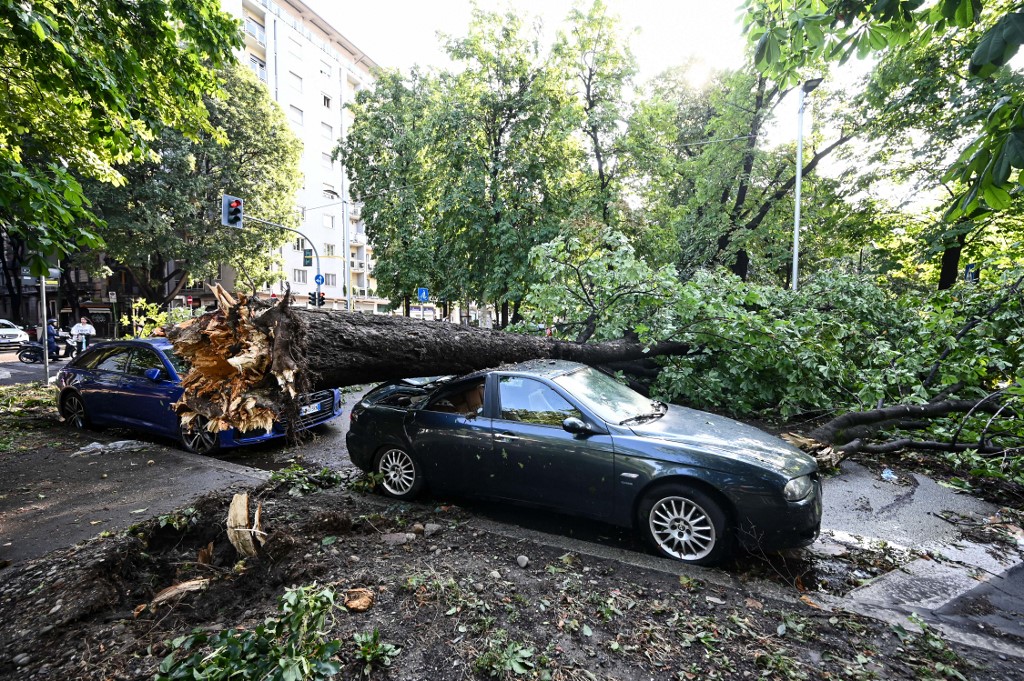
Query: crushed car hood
[721, 435]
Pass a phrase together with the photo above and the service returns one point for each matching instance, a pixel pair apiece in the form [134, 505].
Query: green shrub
[292, 647]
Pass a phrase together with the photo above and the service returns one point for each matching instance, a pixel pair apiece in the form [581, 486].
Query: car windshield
[606, 397]
[180, 364]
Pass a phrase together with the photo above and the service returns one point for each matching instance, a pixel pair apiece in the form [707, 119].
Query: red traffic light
[231, 209]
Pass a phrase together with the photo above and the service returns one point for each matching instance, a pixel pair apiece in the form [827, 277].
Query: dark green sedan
[565, 436]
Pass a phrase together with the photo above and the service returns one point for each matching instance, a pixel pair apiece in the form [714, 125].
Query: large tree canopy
[163, 226]
[85, 84]
[792, 37]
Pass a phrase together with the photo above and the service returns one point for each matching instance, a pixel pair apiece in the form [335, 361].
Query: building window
[295, 114]
[327, 101]
[326, 161]
[330, 280]
[329, 221]
[328, 249]
[258, 66]
[295, 47]
[299, 276]
[329, 192]
[327, 131]
[325, 68]
[256, 30]
[299, 244]
[295, 80]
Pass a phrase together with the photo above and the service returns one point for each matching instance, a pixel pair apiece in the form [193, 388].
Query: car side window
[115, 360]
[92, 357]
[143, 359]
[530, 401]
[466, 399]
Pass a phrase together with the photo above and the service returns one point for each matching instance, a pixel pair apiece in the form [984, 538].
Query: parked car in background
[565, 436]
[133, 383]
[11, 335]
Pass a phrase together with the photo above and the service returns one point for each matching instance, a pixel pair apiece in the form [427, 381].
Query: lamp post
[807, 87]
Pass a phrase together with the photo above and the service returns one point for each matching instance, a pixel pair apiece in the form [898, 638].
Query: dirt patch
[460, 602]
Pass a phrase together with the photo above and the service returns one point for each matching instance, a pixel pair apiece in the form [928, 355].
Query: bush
[289, 648]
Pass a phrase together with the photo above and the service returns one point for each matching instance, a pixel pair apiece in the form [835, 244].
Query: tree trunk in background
[950, 271]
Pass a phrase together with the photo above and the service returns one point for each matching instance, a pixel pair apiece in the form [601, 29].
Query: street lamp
[807, 87]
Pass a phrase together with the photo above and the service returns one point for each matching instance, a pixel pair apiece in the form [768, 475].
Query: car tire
[401, 475]
[198, 439]
[685, 524]
[72, 409]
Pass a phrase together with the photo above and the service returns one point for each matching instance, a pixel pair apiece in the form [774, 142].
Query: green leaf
[996, 197]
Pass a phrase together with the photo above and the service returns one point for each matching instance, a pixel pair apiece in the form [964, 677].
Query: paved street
[13, 371]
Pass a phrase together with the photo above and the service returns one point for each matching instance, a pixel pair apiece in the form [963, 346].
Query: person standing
[81, 332]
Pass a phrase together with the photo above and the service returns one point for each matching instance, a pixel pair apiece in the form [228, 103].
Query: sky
[401, 33]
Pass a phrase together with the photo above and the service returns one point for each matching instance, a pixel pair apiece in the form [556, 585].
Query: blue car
[133, 383]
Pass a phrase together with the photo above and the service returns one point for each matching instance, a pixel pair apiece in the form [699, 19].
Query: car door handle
[505, 437]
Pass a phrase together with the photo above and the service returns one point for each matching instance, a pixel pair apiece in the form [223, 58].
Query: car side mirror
[576, 426]
[154, 374]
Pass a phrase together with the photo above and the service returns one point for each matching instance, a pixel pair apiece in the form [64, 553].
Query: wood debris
[176, 590]
[359, 600]
[240, 532]
[823, 453]
[235, 379]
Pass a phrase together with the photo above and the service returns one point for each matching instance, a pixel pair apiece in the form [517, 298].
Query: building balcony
[258, 32]
[358, 238]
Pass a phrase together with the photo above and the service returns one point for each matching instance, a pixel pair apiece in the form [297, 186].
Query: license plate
[309, 409]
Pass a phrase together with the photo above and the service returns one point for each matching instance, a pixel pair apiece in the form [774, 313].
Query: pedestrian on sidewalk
[81, 333]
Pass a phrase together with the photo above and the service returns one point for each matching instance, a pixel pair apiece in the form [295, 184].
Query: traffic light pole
[316, 255]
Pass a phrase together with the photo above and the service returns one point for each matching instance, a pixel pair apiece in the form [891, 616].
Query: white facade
[312, 71]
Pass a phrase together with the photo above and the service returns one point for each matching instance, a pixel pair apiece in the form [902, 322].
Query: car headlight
[798, 488]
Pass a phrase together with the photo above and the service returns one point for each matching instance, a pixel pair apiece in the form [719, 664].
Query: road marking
[4, 374]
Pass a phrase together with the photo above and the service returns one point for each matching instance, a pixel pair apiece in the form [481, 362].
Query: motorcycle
[31, 352]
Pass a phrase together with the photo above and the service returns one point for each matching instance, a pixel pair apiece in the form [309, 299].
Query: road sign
[112, 296]
[319, 279]
[422, 294]
[188, 300]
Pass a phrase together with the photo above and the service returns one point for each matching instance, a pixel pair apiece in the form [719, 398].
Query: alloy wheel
[682, 528]
[199, 439]
[74, 412]
[399, 472]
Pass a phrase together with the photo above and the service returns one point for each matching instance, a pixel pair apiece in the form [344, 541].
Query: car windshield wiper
[659, 410]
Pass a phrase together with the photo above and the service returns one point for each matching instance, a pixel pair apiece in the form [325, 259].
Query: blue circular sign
[319, 279]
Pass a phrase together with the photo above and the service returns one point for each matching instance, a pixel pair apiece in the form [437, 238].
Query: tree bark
[950, 270]
[835, 431]
[250, 363]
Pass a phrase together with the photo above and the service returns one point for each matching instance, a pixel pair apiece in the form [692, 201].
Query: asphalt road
[13, 371]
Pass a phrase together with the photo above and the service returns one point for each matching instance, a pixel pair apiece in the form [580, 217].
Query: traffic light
[231, 211]
[322, 301]
[312, 298]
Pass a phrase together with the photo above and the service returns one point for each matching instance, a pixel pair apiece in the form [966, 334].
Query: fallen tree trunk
[250, 362]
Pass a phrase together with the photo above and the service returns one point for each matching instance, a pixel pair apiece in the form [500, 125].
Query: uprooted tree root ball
[244, 371]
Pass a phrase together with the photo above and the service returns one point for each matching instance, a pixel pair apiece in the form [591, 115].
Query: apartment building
[312, 71]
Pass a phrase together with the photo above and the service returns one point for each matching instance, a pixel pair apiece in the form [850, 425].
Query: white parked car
[11, 335]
